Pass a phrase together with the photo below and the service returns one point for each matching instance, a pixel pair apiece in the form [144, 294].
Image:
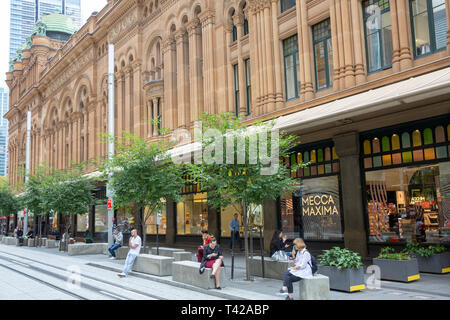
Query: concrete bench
[272, 269]
[50, 243]
[315, 288]
[43, 242]
[32, 242]
[182, 256]
[154, 265]
[79, 249]
[24, 242]
[166, 252]
[9, 241]
[1, 237]
[121, 253]
[188, 272]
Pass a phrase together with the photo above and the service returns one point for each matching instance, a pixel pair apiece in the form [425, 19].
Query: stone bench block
[272, 269]
[1, 237]
[79, 249]
[32, 242]
[182, 256]
[315, 288]
[50, 243]
[188, 272]
[166, 252]
[121, 253]
[24, 242]
[154, 265]
[9, 241]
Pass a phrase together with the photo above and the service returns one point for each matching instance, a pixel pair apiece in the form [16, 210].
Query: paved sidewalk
[429, 287]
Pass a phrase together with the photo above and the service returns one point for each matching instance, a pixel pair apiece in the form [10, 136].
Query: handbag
[280, 255]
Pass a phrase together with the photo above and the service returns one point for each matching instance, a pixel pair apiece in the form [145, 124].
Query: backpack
[313, 264]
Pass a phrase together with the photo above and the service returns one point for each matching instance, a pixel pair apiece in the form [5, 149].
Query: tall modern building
[4, 97]
[25, 13]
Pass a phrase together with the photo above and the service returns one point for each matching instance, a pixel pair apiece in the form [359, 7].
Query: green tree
[143, 175]
[67, 192]
[9, 202]
[242, 178]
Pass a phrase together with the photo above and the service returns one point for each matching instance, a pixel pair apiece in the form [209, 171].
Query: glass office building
[25, 13]
[4, 96]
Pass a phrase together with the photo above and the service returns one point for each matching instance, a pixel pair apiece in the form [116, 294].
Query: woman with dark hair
[206, 238]
[213, 258]
[278, 242]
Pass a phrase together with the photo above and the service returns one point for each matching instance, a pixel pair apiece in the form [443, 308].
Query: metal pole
[27, 168]
[247, 266]
[109, 191]
[232, 253]
[261, 245]
[250, 229]
[157, 240]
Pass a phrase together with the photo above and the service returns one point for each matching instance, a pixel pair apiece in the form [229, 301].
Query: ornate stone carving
[123, 26]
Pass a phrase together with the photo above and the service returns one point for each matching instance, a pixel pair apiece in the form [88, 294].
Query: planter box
[437, 263]
[348, 280]
[398, 270]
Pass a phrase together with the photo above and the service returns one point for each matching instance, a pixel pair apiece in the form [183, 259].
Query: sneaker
[282, 292]
[112, 258]
[122, 275]
[289, 298]
[218, 288]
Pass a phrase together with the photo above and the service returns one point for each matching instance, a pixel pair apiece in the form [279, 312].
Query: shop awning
[376, 100]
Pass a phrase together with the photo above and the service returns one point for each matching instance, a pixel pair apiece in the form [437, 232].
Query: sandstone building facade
[300, 61]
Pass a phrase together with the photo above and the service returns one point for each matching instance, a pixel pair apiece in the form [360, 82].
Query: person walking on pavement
[234, 228]
[118, 242]
[135, 244]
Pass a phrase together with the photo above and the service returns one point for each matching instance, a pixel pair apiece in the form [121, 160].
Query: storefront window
[82, 222]
[125, 220]
[409, 203]
[255, 214]
[151, 221]
[101, 218]
[192, 214]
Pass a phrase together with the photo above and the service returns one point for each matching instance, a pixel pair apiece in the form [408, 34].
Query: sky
[87, 7]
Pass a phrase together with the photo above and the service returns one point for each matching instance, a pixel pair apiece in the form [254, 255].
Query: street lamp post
[109, 192]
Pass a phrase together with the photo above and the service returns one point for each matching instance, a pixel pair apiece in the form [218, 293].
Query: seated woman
[213, 258]
[278, 243]
[302, 269]
[206, 238]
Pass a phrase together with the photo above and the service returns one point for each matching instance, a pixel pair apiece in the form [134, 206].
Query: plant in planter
[397, 266]
[432, 258]
[344, 268]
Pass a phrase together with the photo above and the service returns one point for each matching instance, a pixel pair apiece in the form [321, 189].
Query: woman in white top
[302, 269]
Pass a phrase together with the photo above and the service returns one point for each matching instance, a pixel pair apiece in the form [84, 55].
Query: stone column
[263, 66]
[181, 78]
[195, 66]
[207, 20]
[277, 57]
[170, 83]
[270, 222]
[268, 31]
[403, 27]
[358, 32]
[155, 116]
[340, 44]
[254, 58]
[336, 45]
[348, 150]
[395, 36]
[171, 216]
[120, 106]
[136, 105]
[230, 71]
[348, 57]
[127, 99]
[305, 51]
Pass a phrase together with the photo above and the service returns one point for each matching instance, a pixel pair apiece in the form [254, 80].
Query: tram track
[103, 292]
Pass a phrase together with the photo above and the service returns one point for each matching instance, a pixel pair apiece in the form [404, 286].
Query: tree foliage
[143, 175]
[9, 202]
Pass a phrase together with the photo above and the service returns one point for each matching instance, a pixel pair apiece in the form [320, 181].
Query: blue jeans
[113, 248]
[129, 263]
[235, 237]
